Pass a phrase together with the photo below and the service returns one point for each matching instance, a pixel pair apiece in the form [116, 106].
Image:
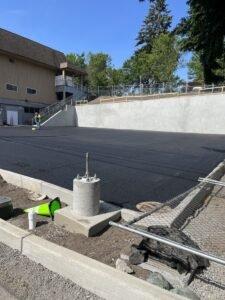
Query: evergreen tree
[157, 21]
[157, 66]
[195, 69]
[203, 32]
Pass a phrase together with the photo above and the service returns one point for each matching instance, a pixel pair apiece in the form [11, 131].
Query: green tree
[203, 31]
[195, 69]
[164, 58]
[157, 21]
[99, 65]
[157, 66]
[116, 76]
[220, 71]
[78, 60]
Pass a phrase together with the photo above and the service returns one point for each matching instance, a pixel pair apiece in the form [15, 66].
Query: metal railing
[156, 88]
[151, 91]
[79, 91]
[64, 80]
[52, 109]
[169, 242]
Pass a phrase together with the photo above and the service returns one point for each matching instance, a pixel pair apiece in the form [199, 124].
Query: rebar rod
[169, 242]
[87, 165]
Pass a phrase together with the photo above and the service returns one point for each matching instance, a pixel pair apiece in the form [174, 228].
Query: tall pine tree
[157, 21]
[203, 31]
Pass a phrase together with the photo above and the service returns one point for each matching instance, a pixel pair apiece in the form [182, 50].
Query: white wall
[64, 117]
[199, 114]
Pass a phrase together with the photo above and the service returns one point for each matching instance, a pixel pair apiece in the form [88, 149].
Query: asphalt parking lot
[134, 166]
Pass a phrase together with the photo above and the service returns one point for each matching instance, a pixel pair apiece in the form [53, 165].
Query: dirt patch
[105, 247]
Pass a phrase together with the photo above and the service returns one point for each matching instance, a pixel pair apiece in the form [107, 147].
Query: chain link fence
[155, 88]
[202, 221]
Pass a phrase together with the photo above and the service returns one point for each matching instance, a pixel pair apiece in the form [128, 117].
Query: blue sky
[83, 25]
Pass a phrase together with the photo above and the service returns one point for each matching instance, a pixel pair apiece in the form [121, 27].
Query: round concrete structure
[86, 196]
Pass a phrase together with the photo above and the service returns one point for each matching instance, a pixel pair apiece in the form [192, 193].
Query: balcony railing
[61, 80]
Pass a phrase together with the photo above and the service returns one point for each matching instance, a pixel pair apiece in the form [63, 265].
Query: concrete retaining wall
[64, 117]
[198, 114]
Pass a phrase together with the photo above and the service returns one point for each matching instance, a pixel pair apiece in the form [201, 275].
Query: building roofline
[24, 48]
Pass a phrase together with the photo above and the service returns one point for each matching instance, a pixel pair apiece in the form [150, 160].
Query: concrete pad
[89, 226]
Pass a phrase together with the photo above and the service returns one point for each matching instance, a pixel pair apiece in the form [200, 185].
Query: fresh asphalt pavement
[134, 166]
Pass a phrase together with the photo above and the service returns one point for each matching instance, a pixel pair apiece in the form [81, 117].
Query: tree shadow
[214, 149]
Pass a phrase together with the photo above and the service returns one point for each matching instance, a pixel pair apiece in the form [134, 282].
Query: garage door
[12, 117]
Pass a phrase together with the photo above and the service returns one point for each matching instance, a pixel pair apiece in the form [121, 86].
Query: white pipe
[32, 220]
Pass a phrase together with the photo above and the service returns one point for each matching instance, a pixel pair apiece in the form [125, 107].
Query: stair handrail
[48, 111]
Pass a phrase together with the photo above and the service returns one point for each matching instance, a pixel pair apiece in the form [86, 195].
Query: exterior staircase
[51, 110]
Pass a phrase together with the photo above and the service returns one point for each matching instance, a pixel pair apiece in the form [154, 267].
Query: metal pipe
[87, 166]
[169, 242]
[212, 181]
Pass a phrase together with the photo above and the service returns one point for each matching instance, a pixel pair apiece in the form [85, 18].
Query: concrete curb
[37, 186]
[90, 274]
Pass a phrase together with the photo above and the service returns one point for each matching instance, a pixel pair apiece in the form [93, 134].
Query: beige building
[32, 76]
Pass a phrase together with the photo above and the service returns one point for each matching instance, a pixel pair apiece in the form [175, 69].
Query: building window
[31, 110]
[11, 87]
[31, 91]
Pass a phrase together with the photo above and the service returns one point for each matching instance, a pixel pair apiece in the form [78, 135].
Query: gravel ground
[5, 295]
[25, 279]
[208, 230]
